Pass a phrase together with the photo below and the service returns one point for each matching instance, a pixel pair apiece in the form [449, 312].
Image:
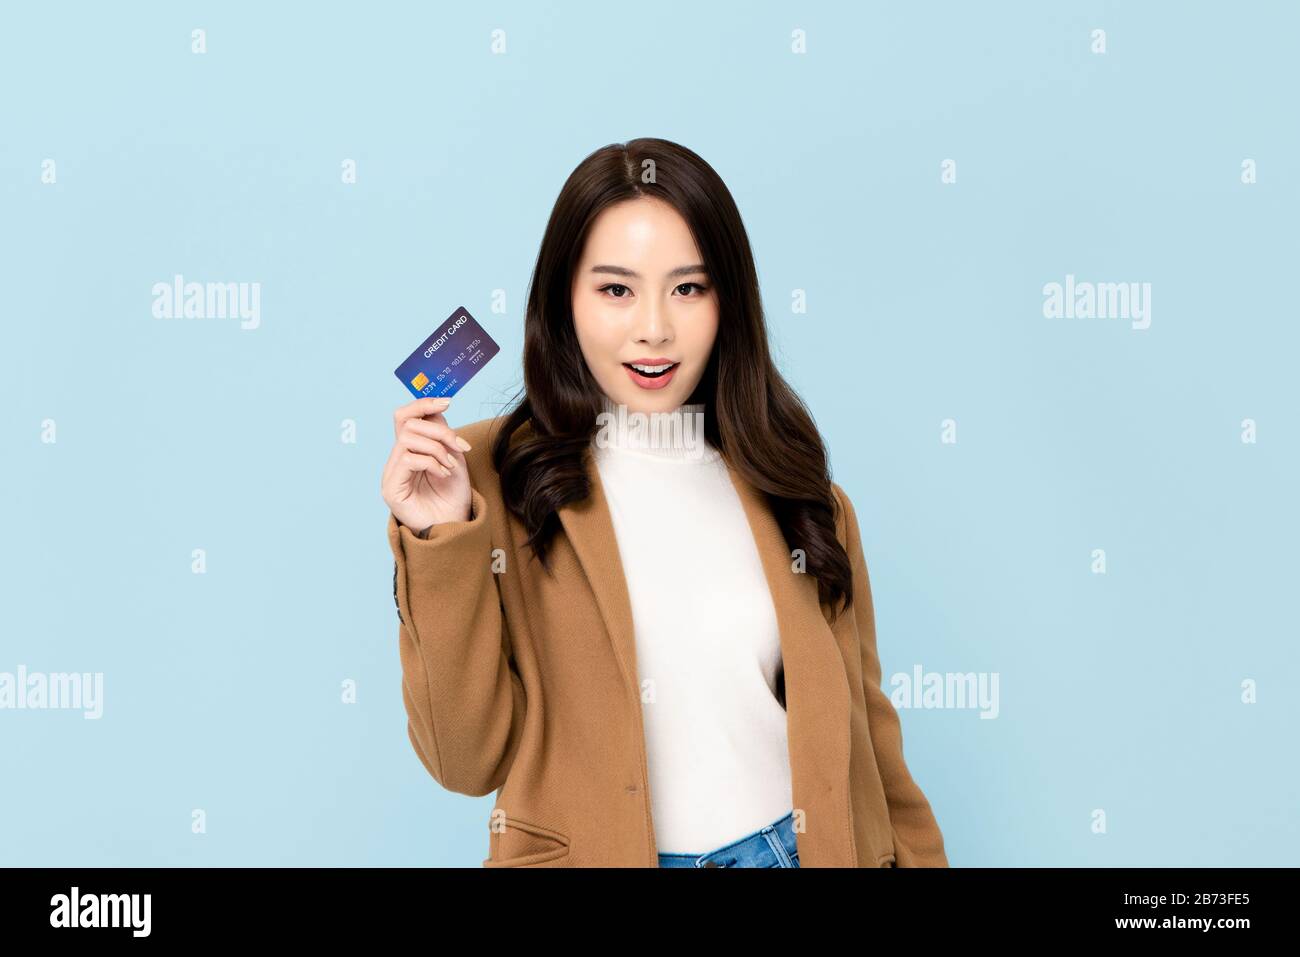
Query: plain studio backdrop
[1099, 517]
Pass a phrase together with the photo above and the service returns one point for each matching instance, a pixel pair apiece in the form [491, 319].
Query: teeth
[641, 368]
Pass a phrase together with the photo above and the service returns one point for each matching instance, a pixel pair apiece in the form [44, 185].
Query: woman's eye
[625, 291]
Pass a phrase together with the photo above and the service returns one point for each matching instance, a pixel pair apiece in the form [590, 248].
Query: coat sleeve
[918, 841]
[463, 696]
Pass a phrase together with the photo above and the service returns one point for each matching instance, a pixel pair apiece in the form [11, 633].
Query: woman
[657, 644]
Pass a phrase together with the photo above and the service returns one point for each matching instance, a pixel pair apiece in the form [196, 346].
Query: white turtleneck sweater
[708, 649]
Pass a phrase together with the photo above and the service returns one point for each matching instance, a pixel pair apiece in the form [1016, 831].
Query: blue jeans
[772, 845]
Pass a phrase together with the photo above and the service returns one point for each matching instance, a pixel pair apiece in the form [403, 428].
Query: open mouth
[651, 372]
[647, 376]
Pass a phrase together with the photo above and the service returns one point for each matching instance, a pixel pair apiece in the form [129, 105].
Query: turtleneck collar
[672, 436]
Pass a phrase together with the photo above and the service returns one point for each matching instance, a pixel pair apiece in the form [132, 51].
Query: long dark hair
[752, 416]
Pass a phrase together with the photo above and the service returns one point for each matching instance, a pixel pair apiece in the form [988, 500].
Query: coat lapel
[816, 686]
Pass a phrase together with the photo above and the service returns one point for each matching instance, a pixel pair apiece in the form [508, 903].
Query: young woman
[657, 645]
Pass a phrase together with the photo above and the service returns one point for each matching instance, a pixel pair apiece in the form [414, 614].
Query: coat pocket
[521, 844]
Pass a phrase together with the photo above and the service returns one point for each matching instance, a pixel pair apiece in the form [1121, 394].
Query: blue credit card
[449, 358]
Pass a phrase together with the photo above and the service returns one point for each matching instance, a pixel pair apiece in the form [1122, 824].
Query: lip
[646, 382]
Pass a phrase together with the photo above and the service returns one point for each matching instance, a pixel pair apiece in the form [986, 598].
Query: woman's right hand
[426, 481]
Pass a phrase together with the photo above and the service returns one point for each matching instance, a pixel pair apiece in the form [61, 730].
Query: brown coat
[526, 684]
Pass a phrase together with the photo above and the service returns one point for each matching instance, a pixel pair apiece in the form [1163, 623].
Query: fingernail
[465, 446]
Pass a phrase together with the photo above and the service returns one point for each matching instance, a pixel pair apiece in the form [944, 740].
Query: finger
[440, 430]
[417, 462]
[426, 406]
[428, 446]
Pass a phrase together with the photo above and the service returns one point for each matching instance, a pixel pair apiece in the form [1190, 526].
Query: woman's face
[641, 296]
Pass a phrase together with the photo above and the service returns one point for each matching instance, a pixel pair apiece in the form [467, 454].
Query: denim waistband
[772, 845]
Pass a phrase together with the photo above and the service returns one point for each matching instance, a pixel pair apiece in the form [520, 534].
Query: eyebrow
[624, 271]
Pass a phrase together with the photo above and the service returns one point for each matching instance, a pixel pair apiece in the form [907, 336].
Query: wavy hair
[752, 415]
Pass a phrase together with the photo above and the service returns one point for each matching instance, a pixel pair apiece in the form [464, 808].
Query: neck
[677, 434]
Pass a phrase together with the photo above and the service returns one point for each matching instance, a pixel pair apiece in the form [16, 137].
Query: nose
[651, 324]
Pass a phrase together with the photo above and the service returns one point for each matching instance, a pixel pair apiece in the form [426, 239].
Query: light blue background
[1120, 692]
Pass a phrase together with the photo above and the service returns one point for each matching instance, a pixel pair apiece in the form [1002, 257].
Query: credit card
[449, 358]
